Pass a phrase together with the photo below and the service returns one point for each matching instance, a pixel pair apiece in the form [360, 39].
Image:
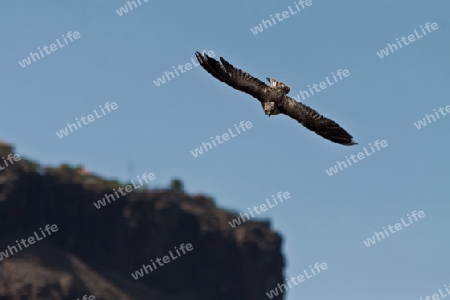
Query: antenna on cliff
[130, 170]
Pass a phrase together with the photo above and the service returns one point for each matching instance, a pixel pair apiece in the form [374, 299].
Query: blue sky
[117, 58]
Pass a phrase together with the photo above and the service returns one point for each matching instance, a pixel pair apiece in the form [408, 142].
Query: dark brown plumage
[274, 99]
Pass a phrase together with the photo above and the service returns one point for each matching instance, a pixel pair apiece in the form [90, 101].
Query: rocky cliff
[95, 250]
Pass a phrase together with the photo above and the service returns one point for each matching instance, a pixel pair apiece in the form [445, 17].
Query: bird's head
[269, 107]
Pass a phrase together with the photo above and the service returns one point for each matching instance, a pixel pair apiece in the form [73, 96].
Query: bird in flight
[274, 99]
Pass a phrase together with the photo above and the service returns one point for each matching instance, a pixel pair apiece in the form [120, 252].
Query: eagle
[274, 99]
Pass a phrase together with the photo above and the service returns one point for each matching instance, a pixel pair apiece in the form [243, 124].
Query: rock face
[95, 251]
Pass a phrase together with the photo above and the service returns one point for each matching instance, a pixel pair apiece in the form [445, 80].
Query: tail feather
[273, 82]
[276, 83]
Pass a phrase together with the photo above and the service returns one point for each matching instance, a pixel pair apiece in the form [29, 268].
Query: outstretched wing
[314, 121]
[232, 76]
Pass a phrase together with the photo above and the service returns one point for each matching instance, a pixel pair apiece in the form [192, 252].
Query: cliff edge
[95, 251]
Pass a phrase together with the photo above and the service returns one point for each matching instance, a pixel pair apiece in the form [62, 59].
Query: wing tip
[351, 143]
[201, 57]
